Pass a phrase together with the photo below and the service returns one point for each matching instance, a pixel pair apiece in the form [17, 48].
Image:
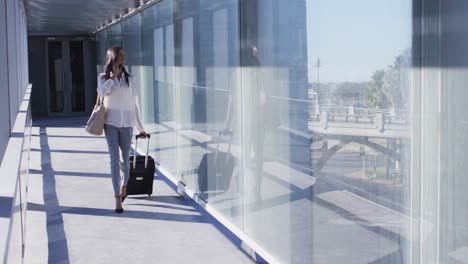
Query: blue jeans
[119, 137]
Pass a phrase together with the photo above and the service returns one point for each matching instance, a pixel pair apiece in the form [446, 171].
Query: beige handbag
[95, 124]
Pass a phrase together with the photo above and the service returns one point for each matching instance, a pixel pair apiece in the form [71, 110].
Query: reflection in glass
[158, 48]
[290, 118]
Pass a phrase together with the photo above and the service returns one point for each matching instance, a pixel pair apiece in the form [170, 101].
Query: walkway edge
[253, 249]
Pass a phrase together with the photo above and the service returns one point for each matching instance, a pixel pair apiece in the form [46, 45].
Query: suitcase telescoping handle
[226, 132]
[136, 147]
[221, 133]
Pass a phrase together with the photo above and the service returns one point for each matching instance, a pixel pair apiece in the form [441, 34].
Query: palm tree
[376, 95]
[385, 90]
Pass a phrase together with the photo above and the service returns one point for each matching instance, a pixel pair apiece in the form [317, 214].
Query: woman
[120, 94]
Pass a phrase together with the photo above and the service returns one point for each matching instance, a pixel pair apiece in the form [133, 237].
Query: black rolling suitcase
[142, 170]
[215, 170]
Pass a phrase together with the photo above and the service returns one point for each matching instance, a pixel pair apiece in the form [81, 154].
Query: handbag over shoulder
[95, 124]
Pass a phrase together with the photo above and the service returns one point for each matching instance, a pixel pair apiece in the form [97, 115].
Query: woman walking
[120, 94]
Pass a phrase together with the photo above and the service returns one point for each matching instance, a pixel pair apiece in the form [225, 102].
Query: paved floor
[70, 216]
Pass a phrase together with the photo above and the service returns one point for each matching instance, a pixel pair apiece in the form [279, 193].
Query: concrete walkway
[71, 216]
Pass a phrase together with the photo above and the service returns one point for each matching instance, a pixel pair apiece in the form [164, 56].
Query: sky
[355, 38]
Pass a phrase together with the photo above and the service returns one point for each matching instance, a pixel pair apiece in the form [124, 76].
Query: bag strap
[99, 102]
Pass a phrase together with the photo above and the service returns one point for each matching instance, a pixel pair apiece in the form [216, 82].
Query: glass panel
[276, 191]
[207, 102]
[362, 85]
[219, 174]
[101, 49]
[56, 77]
[453, 182]
[114, 36]
[186, 90]
[440, 134]
[158, 47]
[312, 99]
[77, 76]
[330, 166]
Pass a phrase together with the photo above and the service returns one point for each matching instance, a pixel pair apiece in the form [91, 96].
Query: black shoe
[119, 210]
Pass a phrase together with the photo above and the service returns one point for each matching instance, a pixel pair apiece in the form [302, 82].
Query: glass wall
[360, 77]
[314, 126]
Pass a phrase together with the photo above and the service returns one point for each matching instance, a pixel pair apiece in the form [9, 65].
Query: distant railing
[14, 172]
[358, 115]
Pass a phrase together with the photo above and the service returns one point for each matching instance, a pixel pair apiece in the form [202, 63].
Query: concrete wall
[13, 87]
[14, 72]
[5, 126]
[12, 63]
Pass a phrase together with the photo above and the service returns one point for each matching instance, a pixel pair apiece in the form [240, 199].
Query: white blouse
[121, 102]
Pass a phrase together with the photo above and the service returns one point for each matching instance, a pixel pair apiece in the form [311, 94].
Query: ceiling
[70, 16]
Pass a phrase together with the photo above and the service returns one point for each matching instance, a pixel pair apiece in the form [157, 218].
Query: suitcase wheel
[149, 195]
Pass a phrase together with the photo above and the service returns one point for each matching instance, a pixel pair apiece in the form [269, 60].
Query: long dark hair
[251, 59]
[111, 56]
